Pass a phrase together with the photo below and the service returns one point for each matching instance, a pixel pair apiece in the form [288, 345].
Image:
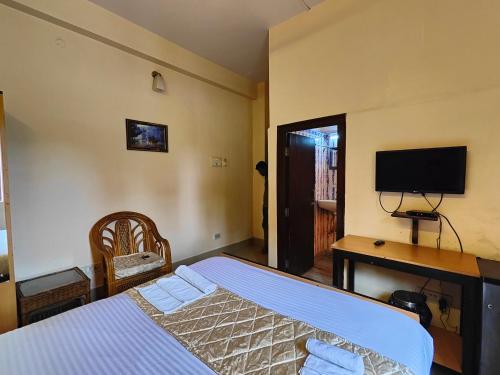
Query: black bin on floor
[414, 302]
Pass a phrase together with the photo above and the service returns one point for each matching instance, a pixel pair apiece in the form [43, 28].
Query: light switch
[224, 162]
[216, 162]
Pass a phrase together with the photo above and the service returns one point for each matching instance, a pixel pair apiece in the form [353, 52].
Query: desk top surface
[444, 260]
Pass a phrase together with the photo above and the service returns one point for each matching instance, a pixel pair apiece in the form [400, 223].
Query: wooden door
[301, 183]
[8, 310]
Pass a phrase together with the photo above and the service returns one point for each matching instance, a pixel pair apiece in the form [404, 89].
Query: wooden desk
[445, 265]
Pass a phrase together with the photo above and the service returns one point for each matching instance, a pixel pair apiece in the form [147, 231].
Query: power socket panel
[436, 296]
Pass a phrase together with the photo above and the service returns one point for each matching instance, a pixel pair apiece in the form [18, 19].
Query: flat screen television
[426, 170]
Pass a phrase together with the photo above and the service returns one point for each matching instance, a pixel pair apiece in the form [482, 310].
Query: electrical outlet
[216, 236]
[432, 294]
[443, 305]
[437, 297]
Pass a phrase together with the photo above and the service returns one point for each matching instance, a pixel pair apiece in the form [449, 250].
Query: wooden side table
[51, 294]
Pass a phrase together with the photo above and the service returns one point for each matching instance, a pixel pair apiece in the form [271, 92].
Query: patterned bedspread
[233, 335]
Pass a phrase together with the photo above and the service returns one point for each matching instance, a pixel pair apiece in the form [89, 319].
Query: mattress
[114, 336]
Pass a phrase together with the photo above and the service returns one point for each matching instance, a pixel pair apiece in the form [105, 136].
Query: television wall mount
[415, 217]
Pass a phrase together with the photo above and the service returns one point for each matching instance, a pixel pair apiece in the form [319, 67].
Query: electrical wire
[306, 5]
[427, 282]
[399, 205]
[441, 223]
[430, 204]
[442, 321]
[446, 323]
[438, 239]
[454, 231]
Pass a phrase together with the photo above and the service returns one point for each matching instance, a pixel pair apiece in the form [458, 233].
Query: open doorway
[311, 195]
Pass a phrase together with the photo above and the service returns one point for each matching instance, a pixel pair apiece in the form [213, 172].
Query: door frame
[282, 178]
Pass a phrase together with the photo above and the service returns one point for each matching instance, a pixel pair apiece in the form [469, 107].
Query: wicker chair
[125, 235]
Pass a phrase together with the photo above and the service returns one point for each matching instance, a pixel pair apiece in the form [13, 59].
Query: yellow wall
[65, 112]
[258, 154]
[408, 74]
[96, 22]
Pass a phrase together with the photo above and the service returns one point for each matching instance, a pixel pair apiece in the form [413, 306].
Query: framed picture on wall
[146, 136]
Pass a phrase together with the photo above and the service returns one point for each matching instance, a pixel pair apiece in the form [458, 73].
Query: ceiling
[232, 33]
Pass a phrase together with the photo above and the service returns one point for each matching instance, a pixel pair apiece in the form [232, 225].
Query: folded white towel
[159, 298]
[169, 294]
[179, 288]
[194, 278]
[335, 355]
[326, 368]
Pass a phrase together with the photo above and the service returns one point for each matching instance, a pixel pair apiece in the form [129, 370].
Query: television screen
[427, 170]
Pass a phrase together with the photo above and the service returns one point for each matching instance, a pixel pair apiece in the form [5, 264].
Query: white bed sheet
[114, 336]
[370, 325]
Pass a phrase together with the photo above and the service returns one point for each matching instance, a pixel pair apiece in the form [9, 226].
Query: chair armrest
[166, 252]
[107, 255]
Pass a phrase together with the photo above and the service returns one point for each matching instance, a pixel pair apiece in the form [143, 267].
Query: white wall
[68, 163]
[408, 74]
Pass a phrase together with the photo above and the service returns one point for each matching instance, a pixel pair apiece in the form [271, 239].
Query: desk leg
[350, 275]
[338, 271]
[469, 319]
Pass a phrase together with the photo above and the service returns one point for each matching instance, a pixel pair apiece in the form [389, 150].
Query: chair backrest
[126, 232]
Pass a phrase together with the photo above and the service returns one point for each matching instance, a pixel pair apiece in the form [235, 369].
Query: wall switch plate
[216, 162]
[216, 236]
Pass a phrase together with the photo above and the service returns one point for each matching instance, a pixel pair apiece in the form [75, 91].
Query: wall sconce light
[158, 82]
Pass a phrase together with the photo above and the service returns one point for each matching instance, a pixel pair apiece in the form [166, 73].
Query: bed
[114, 336]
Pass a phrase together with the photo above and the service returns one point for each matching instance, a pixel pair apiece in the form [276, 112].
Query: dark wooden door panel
[283, 240]
[301, 172]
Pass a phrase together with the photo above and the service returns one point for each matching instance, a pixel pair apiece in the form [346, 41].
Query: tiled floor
[322, 270]
[252, 250]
